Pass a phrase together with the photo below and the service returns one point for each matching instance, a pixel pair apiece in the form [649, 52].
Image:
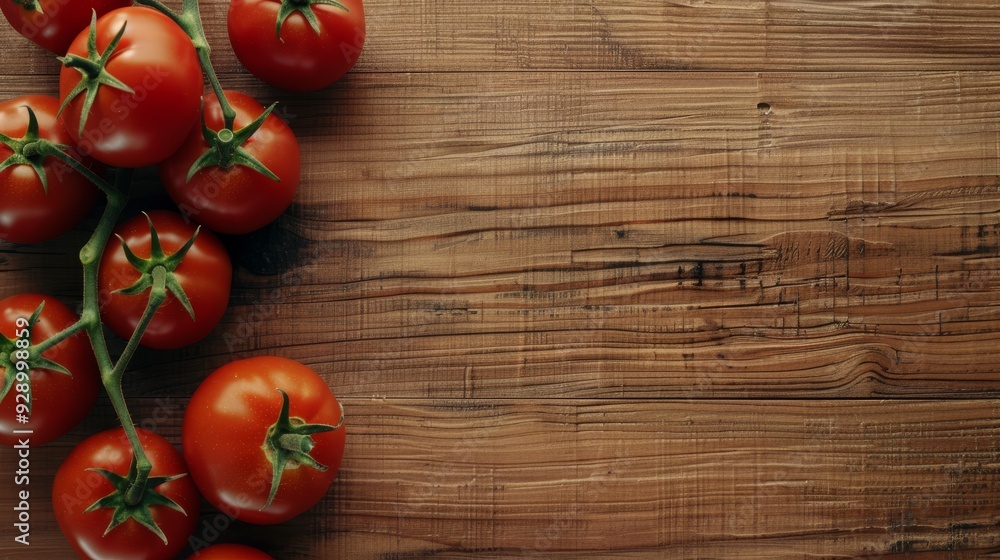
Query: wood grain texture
[645, 35]
[631, 236]
[582, 308]
[565, 478]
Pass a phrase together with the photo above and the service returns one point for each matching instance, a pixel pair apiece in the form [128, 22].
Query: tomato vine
[99, 95]
[113, 371]
[133, 488]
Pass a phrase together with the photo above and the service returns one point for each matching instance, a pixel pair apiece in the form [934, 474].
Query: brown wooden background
[622, 280]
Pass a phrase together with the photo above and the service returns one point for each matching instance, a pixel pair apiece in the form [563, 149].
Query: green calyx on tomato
[30, 5]
[56, 377]
[158, 259]
[297, 57]
[92, 67]
[14, 353]
[127, 503]
[226, 148]
[289, 442]
[165, 493]
[288, 7]
[42, 196]
[30, 149]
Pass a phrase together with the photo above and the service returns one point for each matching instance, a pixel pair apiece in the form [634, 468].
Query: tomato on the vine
[203, 279]
[41, 198]
[298, 45]
[237, 199]
[263, 438]
[93, 473]
[137, 102]
[229, 552]
[58, 400]
[53, 24]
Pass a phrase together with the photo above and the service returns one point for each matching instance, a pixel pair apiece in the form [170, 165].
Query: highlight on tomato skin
[235, 410]
[59, 401]
[145, 115]
[300, 57]
[33, 210]
[57, 22]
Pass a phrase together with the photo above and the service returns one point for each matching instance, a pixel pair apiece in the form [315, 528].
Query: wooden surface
[626, 280]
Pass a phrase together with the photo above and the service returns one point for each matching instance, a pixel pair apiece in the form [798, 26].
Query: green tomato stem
[189, 19]
[90, 258]
[296, 443]
[227, 148]
[111, 373]
[49, 149]
[30, 5]
[157, 296]
[88, 68]
[42, 347]
[113, 385]
[228, 113]
[289, 442]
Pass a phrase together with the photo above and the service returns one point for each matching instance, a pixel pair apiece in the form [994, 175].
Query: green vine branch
[189, 19]
[137, 487]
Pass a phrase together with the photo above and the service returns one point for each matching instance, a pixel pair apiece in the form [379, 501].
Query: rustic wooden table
[606, 280]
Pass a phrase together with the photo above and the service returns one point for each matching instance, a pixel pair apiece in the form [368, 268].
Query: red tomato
[157, 60]
[230, 552]
[205, 275]
[301, 59]
[59, 21]
[27, 213]
[239, 199]
[228, 420]
[77, 486]
[58, 401]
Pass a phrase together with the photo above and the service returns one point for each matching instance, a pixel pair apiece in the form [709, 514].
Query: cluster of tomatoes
[262, 438]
